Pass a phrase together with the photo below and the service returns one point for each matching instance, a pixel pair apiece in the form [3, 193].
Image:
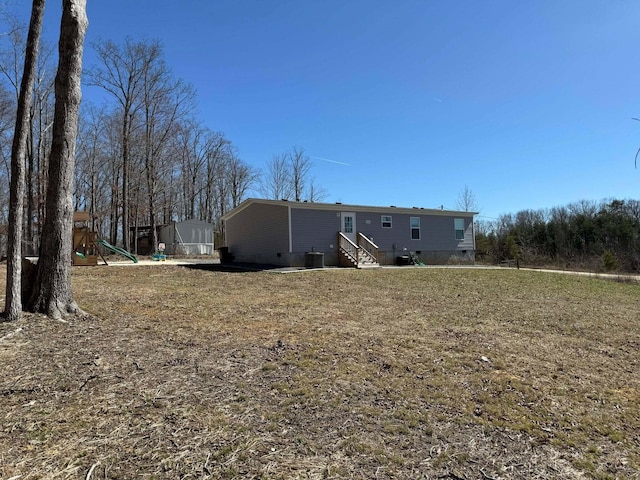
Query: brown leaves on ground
[390, 373]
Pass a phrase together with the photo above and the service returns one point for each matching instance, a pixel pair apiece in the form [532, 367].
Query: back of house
[284, 233]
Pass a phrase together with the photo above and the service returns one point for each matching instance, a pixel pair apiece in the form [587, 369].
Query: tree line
[143, 157]
[592, 235]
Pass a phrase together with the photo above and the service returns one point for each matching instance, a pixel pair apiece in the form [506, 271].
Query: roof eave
[346, 207]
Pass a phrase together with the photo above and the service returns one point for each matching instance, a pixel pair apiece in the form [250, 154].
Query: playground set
[86, 242]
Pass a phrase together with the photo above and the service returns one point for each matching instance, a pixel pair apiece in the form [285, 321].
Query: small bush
[609, 261]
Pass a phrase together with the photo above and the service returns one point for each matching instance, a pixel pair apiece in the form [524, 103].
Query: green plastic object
[118, 250]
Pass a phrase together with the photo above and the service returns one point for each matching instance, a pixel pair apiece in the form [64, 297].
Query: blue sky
[405, 102]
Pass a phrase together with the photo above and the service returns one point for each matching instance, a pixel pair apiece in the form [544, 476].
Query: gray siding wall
[318, 229]
[437, 233]
[258, 233]
[314, 230]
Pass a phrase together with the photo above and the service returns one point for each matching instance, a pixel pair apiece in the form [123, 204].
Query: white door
[348, 225]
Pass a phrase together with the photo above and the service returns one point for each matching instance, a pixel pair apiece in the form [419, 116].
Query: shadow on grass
[238, 267]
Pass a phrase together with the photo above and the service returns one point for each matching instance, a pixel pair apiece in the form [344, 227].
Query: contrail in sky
[331, 161]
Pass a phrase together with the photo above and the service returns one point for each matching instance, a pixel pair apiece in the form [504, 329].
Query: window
[386, 221]
[458, 225]
[348, 224]
[415, 228]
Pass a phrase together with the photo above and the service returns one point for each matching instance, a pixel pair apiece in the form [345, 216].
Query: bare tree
[7, 127]
[315, 192]
[52, 288]
[300, 165]
[241, 178]
[41, 121]
[13, 305]
[467, 200]
[120, 74]
[166, 101]
[12, 57]
[288, 175]
[93, 169]
[152, 105]
[275, 182]
[191, 147]
[217, 151]
[40, 117]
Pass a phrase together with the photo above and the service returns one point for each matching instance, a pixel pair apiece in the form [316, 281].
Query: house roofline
[343, 207]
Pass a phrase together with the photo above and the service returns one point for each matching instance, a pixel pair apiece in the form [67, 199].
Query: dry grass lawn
[388, 373]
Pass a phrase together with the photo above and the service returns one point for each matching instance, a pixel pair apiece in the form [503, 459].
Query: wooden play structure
[85, 241]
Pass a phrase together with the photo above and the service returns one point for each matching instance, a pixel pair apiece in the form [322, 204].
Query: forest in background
[143, 157]
[585, 235]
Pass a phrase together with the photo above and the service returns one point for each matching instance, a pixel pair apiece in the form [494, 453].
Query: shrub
[609, 261]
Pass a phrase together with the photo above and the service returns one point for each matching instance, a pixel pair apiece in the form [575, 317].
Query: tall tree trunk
[126, 239]
[52, 289]
[30, 198]
[13, 304]
[151, 198]
[114, 219]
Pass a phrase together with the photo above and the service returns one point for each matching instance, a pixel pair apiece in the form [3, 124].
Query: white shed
[190, 237]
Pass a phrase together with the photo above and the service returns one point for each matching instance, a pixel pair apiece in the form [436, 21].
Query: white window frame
[458, 228]
[347, 227]
[412, 227]
[386, 221]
